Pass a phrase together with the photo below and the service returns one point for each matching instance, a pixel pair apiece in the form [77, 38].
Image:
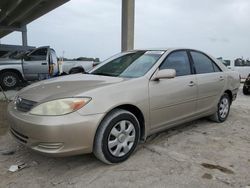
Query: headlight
[60, 106]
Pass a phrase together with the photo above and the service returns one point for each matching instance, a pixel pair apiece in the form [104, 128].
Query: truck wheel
[76, 70]
[9, 80]
[116, 137]
[223, 109]
[245, 91]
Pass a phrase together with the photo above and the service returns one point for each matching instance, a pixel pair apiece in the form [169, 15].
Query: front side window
[39, 54]
[202, 63]
[179, 61]
[129, 65]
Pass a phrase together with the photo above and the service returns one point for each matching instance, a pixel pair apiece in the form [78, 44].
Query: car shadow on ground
[27, 155]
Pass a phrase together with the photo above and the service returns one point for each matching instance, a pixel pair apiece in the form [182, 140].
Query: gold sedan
[122, 101]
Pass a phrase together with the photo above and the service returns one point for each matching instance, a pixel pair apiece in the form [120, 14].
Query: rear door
[36, 64]
[173, 100]
[210, 80]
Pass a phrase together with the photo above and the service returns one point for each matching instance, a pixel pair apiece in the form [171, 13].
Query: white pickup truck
[240, 65]
[38, 64]
[70, 67]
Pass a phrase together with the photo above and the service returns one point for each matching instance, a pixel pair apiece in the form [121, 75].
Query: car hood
[66, 86]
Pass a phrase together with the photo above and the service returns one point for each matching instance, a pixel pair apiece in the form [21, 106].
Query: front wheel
[223, 109]
[117, 137]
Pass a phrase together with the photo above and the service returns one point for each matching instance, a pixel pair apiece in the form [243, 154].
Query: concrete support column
[24, 36]
[128, 21]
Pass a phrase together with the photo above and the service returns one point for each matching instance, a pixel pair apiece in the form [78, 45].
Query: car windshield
[128, 65]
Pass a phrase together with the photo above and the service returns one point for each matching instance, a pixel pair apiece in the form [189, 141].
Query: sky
[92, 28]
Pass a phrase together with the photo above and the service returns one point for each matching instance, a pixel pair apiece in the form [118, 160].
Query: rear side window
[179, 61]
[202, 63]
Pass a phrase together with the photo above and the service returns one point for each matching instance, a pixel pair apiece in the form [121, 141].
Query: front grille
[22, 138]
[24, 105]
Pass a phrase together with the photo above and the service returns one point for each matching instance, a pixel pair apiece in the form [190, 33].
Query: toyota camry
[120, 102]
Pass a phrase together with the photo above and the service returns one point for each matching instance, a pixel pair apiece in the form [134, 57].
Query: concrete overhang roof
[14, 14]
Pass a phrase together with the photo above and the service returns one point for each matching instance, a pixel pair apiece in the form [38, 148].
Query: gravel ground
[198, 154]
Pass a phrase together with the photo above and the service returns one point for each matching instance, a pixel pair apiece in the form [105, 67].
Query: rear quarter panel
[233, 81]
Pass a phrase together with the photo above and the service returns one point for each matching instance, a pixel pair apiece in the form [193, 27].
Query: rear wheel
[9, 80]
[223, 109]
[117, 137]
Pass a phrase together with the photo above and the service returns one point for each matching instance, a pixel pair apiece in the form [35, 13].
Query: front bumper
[65, 135]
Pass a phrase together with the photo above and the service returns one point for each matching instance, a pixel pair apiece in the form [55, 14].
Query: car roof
[162, 49]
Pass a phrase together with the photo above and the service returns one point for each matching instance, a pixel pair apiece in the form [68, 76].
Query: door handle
[191, 84]
[43, 63]
[221, 78]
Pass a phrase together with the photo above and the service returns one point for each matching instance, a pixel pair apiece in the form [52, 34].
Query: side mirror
[165, 74]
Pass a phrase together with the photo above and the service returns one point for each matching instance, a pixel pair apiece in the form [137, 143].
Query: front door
[36, 64]
[173, 100]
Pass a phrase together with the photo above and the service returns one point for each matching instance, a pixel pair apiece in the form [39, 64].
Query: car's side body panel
[170, 99]
[163, 103]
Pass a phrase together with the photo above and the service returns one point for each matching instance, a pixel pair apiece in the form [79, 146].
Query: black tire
[102, 150]
[9, 80]
[217, 116]
[245, 91]
[76, 70]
